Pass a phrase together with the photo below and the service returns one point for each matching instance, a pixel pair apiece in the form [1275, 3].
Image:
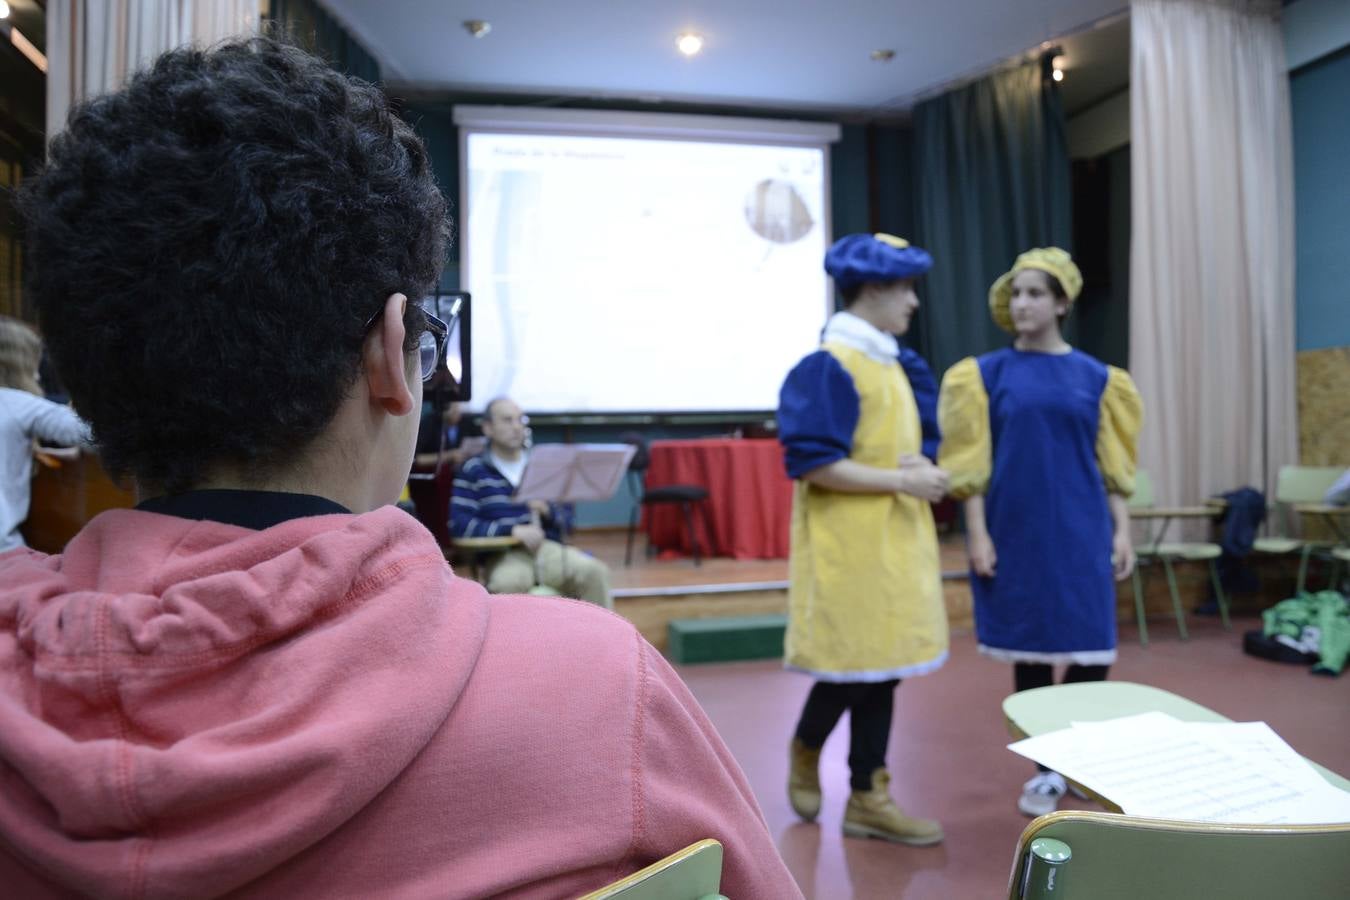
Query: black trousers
[1037, 675]
[1028, 675]
[869, 705]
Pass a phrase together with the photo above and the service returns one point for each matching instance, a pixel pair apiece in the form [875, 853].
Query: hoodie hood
[178, 712]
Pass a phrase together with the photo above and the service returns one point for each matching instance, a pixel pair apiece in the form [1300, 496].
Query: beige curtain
[1211, 265]
[93, 45]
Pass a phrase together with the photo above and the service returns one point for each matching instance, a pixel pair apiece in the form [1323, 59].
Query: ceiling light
[477, 27]
[883, 55]
[689, 43]
[1058, 74]
[4, 10]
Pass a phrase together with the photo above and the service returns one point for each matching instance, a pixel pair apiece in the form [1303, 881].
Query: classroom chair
[1295, 486]
[686, 495]
[1069, 855]
[694, 873]
[1154, 549]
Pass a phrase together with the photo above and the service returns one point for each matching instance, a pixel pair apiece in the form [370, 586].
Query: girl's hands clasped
[920, 478]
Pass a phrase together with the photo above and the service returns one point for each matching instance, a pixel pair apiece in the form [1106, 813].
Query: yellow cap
[1046, 259]
[891, 240]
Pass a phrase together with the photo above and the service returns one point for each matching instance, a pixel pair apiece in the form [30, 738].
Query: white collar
[510, 469]
[853, 331]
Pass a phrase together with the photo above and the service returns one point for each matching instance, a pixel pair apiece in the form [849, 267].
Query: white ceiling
[795, 55]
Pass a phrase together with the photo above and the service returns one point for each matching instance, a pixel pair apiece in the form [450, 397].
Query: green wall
[1320, 99]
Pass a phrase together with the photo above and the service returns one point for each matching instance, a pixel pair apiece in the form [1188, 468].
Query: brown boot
[874, 814]
[804, 780]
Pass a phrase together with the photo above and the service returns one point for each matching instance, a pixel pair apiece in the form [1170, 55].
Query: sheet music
[571, 472]
[1258, 742]
[1155, 765]
[1255, 740]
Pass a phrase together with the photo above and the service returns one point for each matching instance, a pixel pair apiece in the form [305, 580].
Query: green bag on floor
[1317, 623]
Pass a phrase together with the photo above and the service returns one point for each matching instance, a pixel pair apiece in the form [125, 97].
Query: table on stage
[749, 506]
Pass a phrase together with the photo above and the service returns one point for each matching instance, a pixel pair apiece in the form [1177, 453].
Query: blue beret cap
[858, 258]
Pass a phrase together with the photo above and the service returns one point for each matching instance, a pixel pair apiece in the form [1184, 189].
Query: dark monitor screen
[455, 376]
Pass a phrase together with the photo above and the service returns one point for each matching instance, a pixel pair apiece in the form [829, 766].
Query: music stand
[567, 473]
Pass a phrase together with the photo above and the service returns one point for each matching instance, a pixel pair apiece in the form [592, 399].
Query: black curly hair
[206, 244]
[851, 293]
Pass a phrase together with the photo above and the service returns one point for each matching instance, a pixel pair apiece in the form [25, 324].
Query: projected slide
[616, 274]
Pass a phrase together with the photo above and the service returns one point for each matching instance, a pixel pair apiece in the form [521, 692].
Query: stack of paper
[1155, 765]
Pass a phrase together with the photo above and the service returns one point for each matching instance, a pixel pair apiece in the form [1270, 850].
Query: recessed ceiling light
[689, 43]
[883, 55]
[477, 27]
[1058, 74]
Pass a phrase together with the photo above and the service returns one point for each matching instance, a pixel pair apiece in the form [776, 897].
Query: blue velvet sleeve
[817, 414]
[925, 388]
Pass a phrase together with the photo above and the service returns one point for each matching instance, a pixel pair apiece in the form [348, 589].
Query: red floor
[949, 761]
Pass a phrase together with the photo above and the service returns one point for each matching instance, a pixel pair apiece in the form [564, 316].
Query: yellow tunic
[865, 599]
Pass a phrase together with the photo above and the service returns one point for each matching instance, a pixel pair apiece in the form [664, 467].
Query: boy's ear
[385, 362]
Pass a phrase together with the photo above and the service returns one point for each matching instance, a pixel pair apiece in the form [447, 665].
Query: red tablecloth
[749, 507]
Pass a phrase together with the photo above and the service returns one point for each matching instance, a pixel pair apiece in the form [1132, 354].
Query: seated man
[482, 506]
[264, 681]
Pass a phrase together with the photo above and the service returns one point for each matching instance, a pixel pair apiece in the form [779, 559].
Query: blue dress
[1044, 437]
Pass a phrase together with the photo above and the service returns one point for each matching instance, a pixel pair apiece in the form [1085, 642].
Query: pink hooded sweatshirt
[321, 708]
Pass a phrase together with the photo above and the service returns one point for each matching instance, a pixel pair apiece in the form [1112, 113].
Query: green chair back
[1142, 498]
[1115, 857]
[1305, 484]
[1299, 484]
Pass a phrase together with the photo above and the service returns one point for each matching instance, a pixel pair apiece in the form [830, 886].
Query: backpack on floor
[1277, 648]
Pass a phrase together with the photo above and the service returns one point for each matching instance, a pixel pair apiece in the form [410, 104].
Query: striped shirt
[483, 504]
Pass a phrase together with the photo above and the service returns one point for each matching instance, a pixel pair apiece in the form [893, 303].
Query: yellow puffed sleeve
[1122, 413]
[963, 417]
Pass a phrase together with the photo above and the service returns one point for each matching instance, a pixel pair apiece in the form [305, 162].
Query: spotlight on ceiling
[689, 43]
[477, 27]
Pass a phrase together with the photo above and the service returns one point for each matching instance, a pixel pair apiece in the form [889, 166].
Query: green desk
[1042, 710]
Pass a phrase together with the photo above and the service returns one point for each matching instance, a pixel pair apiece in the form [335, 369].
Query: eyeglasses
[432, 342]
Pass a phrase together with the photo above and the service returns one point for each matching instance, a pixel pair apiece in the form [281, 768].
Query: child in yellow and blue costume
[865, 593]
[1040, 440]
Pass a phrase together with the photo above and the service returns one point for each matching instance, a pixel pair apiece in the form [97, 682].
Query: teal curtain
[991, 179]
[314, 29]
[850, 198]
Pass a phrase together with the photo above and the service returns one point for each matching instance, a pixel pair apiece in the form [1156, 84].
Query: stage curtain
[991, 179]
[1211, 271]
[317, 31]
[93, 46]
